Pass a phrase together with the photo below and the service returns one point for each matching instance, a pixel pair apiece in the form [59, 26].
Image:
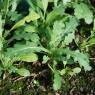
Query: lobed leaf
[82, 11]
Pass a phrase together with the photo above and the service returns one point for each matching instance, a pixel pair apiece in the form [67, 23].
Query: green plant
[44, 31]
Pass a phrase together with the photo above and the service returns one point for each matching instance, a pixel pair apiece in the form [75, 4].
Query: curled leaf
[31, 17]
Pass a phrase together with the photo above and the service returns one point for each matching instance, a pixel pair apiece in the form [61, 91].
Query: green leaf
[82, 11]
[70, 30]
[30, 28]
[83, 60]
[63, 31]
[1, 31]
[57, 81]
[45, 59]
[13, 69]
[23, 72]
[6, 6]
[68, 39]
[35, 4]
[30, 57]
[45, 4]
[94, 26]
[76, 70]
[14, 16]
[19, 50]
[55, 3]
[66, 1]
[57, 12]
[30, 37]
[71, 24]
[57, 33]
[31, 17]
[62, 72]
[79, 57]
[14, 4]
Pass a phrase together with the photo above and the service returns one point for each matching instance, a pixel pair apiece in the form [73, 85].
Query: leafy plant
[47, 32]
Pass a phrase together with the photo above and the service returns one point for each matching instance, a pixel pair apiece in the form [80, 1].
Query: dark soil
[82, 84]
